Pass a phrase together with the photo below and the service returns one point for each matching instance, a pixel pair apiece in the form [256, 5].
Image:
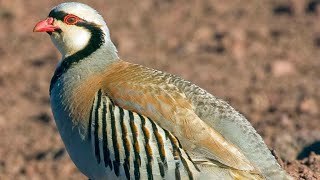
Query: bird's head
[75, 27]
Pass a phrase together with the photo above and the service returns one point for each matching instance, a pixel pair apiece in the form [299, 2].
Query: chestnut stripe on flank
[175, 142]
[90, 122]
[161, 149]
[96, 128]
[136, 148]
[175, 155]
[194, 164]
[184, 161]
[185, 164]
[126, 144]
[116, 162]
[106, 152]
[147, 147]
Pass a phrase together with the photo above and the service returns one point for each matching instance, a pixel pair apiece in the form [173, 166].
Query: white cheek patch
[75, 38]
[72, 38]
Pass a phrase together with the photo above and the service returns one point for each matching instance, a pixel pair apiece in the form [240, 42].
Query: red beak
[45, 26]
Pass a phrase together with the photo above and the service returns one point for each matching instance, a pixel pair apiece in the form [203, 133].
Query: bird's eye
[71, 19]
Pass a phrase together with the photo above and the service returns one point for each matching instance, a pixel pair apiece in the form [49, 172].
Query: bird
[120, 120]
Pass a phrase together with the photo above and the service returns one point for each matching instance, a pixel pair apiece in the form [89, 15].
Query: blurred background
[262, 56]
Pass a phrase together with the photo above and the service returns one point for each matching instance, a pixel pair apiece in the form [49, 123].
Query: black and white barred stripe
[134, 146]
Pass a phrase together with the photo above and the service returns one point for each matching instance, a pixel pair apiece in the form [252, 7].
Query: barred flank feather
[134, 146]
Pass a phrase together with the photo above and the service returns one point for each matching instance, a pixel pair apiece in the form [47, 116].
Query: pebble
[309, 106]
[282, 68]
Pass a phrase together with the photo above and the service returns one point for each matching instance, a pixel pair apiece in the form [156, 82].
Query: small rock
[173, 43]
[203, 34]
[282, 68]
[286, 121]
[308, 106]
[260, 101]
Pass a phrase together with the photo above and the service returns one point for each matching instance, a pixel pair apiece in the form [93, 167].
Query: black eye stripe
[59, 15]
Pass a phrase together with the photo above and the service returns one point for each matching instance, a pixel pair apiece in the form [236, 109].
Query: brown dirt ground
[261, 56]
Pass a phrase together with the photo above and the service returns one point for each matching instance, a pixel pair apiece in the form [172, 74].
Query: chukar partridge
[120, 120]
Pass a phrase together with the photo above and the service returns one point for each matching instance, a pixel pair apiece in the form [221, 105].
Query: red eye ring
[71, 19]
